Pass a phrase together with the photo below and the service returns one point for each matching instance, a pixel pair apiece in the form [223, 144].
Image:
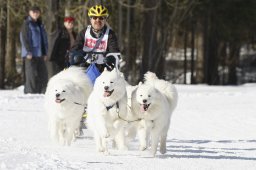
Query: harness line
[117, 111]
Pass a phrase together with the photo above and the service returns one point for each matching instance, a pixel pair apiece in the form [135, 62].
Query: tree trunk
[53, 24]
[131, 45]
[223, 58]
[233, 62]
[10, 65]
[185, 56]
[2, 42]
[212, 58]
[149, 36]
[127, 41]
[211, 46]
[192, 52]
[157, 62]
[120, 24]
[199, 58]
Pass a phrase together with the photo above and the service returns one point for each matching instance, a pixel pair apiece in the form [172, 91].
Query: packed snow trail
[213, 127]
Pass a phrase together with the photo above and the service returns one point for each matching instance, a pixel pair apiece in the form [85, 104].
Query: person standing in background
[63, 42]
[34, 45]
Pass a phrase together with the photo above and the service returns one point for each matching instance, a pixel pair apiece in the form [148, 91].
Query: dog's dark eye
[111, 82]
[149, 95]
[63, 91]
[103, 82]
[140, 95]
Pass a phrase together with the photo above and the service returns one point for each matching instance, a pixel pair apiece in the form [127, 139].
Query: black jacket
[112, 41]
[60, 47]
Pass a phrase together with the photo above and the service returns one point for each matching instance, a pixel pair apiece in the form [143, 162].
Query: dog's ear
[118, 73]
[140, 83]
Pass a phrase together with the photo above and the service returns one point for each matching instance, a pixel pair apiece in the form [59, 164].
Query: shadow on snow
[210, 149]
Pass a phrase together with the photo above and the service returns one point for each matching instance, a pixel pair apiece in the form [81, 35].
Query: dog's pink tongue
[106, 94]
[57, 101]
[142, 109]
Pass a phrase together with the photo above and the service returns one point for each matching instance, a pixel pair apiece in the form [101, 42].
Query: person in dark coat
[63, 42]
[34, 45]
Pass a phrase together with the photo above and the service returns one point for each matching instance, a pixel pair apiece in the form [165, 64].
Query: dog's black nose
[144, 101]
[106, 87]
[57, 95]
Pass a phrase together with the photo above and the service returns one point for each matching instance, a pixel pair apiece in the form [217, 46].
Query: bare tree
[149, 34]
[2, 41]
[199, 68]
[10, 65]
[53, 26]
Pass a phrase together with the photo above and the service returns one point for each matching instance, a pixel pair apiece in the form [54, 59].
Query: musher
[97, 43]
[96, 47]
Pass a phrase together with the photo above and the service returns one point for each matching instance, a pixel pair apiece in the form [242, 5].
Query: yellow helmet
[98, 11]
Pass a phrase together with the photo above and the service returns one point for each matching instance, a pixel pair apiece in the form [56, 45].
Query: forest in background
[204, 38]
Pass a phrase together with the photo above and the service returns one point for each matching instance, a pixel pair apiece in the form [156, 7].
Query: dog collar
[109, 107]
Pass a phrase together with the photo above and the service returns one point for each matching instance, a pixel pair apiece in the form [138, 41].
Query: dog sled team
[116, 111]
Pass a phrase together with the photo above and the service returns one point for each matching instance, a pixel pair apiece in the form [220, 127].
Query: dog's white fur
[65, 99]
[154, 102]
[109, 89]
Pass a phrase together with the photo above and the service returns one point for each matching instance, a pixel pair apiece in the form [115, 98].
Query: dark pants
[36, 76]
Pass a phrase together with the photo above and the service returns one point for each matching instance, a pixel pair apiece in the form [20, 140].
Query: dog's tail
[172, 95]
[149, 76]
[166, 88]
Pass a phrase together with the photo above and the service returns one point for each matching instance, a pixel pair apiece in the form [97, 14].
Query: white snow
[213, 127]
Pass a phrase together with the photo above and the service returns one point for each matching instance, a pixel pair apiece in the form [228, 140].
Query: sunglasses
[100, 18]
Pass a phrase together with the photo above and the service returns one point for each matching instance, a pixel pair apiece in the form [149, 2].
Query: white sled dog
[106, 108]
[153, 102]
[65, 100]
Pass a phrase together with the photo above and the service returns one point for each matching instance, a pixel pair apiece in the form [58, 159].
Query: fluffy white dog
[153, 102]
[106, 110]
[65, 100]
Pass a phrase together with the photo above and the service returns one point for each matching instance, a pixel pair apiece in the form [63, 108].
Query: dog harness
[117, 111]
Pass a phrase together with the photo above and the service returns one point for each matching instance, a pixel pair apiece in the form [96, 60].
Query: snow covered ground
[213, 127]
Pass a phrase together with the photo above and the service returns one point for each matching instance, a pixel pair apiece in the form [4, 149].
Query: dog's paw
[152, 152]
[162, 150]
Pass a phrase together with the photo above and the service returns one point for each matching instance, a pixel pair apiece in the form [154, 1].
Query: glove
[76, 57]
[110, 62]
